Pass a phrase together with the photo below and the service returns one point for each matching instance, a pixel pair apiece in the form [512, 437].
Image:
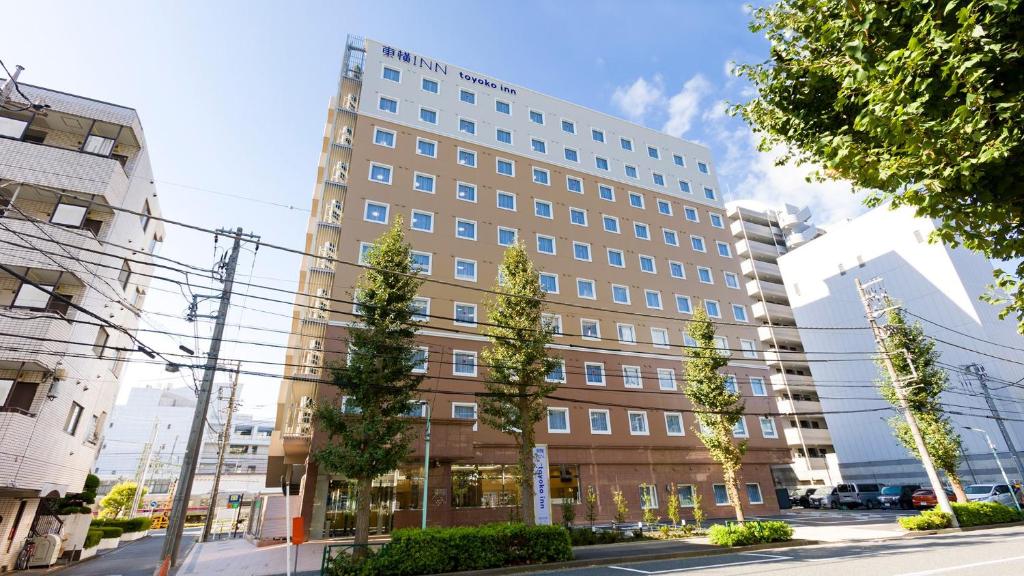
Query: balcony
[784, 358]
[753, 231]
[785, 335]
[769, 291]
[65, 245]
[759, 250]
[764, 270]
[777, 313]
[795, 382]
[49, 333]
[748, 215]
[799, 406]
[63, 169]
[811, 436]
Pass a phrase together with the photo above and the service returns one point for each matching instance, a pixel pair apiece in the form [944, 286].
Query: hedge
[967, 514]
[588, 537]
[435, 550]
[138, 524]
[111, 531]
[750, 533]
[93, 537]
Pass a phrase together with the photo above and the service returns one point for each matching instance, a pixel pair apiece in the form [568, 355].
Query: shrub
[72, 509]
[621, 509]
[436, 550]
[927, 520]
[568, 512]
[750, 533]
[588, 537]
[93, 537]
[138, 524]
[111, 531]
[982, 513]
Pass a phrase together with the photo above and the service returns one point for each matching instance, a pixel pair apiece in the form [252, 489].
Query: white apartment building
[762, 234]
[940, 286]
[69, 167]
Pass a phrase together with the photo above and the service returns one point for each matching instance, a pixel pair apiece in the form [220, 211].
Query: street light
[998, 463]
[426, 463]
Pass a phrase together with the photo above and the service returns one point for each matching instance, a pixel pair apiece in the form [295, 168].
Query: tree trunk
[732, 489]
[364, 488]
[526, 465]
[958, 486]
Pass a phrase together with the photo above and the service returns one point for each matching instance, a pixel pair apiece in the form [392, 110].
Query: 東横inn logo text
[439, 68]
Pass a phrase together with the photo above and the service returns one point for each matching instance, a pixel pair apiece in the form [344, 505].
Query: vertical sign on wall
[541, 495]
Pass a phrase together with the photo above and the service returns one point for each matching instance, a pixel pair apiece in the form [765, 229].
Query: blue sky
[233, 99]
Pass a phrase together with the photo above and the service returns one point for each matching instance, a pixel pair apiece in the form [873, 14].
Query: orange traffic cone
[165, 567]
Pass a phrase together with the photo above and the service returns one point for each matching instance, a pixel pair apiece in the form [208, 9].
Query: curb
[721, 551]
[920, 533]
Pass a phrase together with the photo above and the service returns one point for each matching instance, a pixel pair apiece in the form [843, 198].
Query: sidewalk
[241, 558]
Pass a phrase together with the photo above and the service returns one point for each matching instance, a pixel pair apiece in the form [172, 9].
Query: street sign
[541, 495]
[234, 498]
[153, 504]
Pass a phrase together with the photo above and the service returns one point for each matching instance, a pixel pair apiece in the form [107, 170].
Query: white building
[932, 281]
[66, 172]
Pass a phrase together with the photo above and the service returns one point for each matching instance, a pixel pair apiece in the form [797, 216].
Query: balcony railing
[42, 335]
[63, 169]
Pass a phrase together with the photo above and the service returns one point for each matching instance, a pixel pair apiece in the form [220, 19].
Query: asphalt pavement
[139, 558]
[994, 552]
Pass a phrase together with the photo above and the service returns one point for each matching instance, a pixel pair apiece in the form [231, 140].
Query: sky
[233, 98]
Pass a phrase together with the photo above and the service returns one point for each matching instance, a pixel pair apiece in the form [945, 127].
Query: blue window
[428, 116]
[606, 193]
[620, 294]
[467, 126]
[506, 236]
[467, 158]
[602, 163]
[423, 221]
[581, 251]
[691, 214]
[670, 237]
[683, 304]
[568, 127]
[653, 152]
[542, 209]
[702, 167]
[705, 275]
[636, 200]
[697, 243]
[504, 136]
[723, 250]
[615, 258]
[549, 282]
[507, 201]
[557, 373]
[659, 180]
[429, 85]
[611, 224]
[626, 144]
[541, 176]
[376, 212]
[641, 231]
[664, 207]
[653, 299]
[506, 167]
[392, 74]
[630, 171]
[574, 184]
[536, 117]
[426, 148]
[467, 96]
[585, 289]
[647, 265]
[721, 496]
[739, 313]
[545, 244]
[423, 183]
[466, 192]
[684, 186]
[571, 155]
[709, 193]
[597, 135]
[388, 104]
[678, 160]
[675, 269]
[539, 146]
[384, 138]
[577, 216]
[716, 220]
[379, 173]
[502, 107]
[711, 307]
[465, 229]
[465, 269]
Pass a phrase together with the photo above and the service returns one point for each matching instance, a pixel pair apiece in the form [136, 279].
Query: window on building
[594, 373]
[464, 411]
[721, 494]
[647, 264]
[426, 148]
[597, 135]
[419, 360]
[601, 163]
[429, 85]
[606, 192]
[691, 214]
[467, 96]
[631, 377]
[723, 249]
[659, 179]
[423, 183]
[72, 215]
[638, 423]
[420, 309]
[585, 289]
[641, 231]
[648, 497]
[749, 348]
[382, 137]
[422, 221]
[671, 237]
[659, 337]
[542, 209]
[467, 126]
[74, 417]
[678, 160]
[600, 423]
[683, 305]
[716, 220]
[615, 258]
[731, 280]
[28, 296]
[664, 207]
[502, 107]
[507, 236]
[421, 261]
[740, 429]
[467, 158]
[465, 269]
[610, 223]
[581, 251]
[376, 212]
[590, 329]
[558, 420]
[676, 270]
[503, 136]
[392, 74]
[578, 216]
[549, 283]
[557, 374]
[620, 294]
[739, 312]
[653, 152]
[541, 176]
[568, 126]
[552, 323]
[466, 192]
[630, 171]
[697, 243]
[99, 345]
[702, 167]
[571, 154]
[653, 299]
[539, 146]
[427, 115]
[627, 333]
[666, 379]
[626, 144]
[709, 193]
[768, 429]
[388, 104]
[545, 244]
[465, 314]
[757, 387]
[754, 494]
[674, 424]
[380, 173]
[711, 307]
[536, 117]
[464, 363]
[506, 167]
[684, 186]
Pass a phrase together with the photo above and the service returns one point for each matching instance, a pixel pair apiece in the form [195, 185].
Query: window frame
[667, 371]
[622, 257]
[455, 364]
[437, 115]
[682, 424]
[459, 184]
[628, 301]
[607, 420]
[583, 331]
[547, 419]
[554, 244]
[647, 424]
[474, 225]
[390, 169]
[384, 69]
[626, 378]
[433, 182]
[515, 233]
[593, 287]
[583, 211]
[647, 299]
[618, 332]
[590, 255]
[387, 211]
[421, 140]
[455, 314]
[604, 224]
[472, 96]
[476, 412]
[394, 137]
[586, 374]
[550, 205]
[476, 270]
[412, 219]
[382, 97]
[458, 157]
[498, 194]
[689, 303]
[497, 166]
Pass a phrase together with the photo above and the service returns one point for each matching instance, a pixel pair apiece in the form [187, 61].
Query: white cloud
[684, 106]
[718, 111]
[729, 68]
[635, 100]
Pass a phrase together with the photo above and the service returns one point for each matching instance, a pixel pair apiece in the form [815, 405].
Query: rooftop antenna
[5, 92]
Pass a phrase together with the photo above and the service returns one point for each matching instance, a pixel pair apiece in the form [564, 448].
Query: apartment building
[67, 168]
[628, 228]
[761, 235]
[939, 287]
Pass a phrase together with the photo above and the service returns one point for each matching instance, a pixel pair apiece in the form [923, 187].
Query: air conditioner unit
[321, 305]
[304, 417]
[319, 314]
[346, 131]
[313, 359]
[334, 213]
[346, 140]
[323, 292]
[315, 345]
[328, 250]
[341, 171]
[351, 101]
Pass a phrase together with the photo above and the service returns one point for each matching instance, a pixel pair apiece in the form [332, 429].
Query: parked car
[825, 497]
[925, 498]
[802, 497]
[901, 497]
[1000, 493]
[859, 495]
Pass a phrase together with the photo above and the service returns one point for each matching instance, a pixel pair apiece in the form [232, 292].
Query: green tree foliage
[674, 513]
[698, 510]
[717, 409]
[518, 360]
[372, 435]
[919, 102]
[591, 505]
[650, 510]
[922, 393]
[621, 507]
[119, 500]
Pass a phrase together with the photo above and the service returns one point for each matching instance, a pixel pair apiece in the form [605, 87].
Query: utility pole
[179, 507]
[867, 297]
[979, 372]
[225, 437]
[140, 474]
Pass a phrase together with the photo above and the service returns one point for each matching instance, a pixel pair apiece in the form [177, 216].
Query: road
[997, 552]
[139, 558]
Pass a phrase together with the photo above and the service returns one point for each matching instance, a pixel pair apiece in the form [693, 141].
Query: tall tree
[119, 500]
[717, 408]
[912, 352]
[372, 435]
[518, 362]
[919, 102]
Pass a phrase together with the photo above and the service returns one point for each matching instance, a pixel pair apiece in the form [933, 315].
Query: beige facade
[620, 418]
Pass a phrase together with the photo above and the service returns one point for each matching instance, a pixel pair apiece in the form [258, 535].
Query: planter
[108, 543]
[133, 536]
[76, 526]
[88, 553]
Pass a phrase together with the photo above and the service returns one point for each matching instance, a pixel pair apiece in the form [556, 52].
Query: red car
[925, 498]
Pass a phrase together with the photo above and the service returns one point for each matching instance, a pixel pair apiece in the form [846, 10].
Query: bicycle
[26, 553]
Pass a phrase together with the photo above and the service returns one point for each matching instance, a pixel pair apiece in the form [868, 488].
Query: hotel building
[628, 229]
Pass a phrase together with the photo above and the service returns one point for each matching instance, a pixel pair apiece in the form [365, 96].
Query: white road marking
[767, 558]
[962, 566]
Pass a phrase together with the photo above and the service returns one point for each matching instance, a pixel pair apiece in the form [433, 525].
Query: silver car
[1000, 493]
[825, 497]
